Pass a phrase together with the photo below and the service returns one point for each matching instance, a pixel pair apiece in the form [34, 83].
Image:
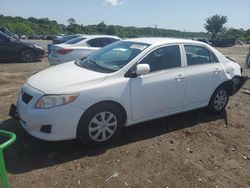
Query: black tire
[219, 100]
[248, 60]
[91, 134]
[27, 55]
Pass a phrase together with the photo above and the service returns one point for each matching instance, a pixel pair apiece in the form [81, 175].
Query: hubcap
[27, 56]
[220, 100]
[102, 126]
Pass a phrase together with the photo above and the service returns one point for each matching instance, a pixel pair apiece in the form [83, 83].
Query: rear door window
[100, 42]
[197, 55]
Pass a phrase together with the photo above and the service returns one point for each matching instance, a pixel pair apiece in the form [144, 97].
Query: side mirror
[142, 69]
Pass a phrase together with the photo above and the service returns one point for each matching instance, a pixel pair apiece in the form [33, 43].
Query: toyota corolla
[122, 84]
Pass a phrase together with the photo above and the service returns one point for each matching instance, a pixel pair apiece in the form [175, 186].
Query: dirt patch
[193, 149]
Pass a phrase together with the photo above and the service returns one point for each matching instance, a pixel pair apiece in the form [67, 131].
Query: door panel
[5, 48]
[162, 90]
[203, 75]
[202, 80]
[157, 93]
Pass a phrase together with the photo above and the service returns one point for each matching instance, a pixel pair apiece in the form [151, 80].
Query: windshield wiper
[83, 63]
[99, 67]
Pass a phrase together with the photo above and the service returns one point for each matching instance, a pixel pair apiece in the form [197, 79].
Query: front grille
[26, 98]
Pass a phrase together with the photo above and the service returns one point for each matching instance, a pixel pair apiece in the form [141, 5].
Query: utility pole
[155, 29]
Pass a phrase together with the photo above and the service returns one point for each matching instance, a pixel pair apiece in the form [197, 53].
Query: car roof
[158, 40]
[99, 36]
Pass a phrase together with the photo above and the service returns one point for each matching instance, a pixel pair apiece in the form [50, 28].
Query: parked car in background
[59, 40]
[203, 40]
[11, 48]
[248, 59]
[122, 84]
[224, 42]
[38, 37]
[23, 37]
[78, 48]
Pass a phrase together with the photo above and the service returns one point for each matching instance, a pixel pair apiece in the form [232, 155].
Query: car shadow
[10, 61]
[29, 153]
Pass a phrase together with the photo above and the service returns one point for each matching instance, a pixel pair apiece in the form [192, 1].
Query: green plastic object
[3, 174]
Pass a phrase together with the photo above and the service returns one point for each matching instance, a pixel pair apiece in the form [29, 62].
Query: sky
[188, 15]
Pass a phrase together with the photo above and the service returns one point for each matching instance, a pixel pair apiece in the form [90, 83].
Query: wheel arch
[230, 86]
[27, 48]
[81, 133]
[110, 102]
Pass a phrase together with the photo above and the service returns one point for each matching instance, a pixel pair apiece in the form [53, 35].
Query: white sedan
[122, 84]
[78, 48]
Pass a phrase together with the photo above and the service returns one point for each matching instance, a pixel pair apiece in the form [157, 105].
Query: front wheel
[100, 125]
[219, 100]
[27, 56]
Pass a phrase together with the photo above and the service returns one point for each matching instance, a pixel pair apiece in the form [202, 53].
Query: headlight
[38, 46]
[50, 101]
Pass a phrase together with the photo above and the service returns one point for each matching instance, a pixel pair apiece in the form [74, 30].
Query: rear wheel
[248, 60]
[27, 56]
[100, 125]
[219, 100]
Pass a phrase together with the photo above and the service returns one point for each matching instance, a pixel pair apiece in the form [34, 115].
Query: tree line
[45, 26]
[31, 26]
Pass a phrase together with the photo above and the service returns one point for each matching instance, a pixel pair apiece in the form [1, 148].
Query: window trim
[202, 46]
[99, 38]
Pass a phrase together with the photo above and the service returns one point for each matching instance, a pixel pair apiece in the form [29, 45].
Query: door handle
[180, 77]
[216, 71]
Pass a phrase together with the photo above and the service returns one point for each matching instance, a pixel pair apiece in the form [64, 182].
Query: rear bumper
[236, 83]
[55, 60]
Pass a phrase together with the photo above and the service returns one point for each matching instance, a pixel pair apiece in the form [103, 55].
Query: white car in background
[78, 48]
[122, 84]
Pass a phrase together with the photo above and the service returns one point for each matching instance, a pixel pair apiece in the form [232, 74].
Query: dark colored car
[11, 48]
[204, 40]
[224, 42]
[65, 38]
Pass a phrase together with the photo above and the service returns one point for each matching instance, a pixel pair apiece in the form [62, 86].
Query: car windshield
[74, 40]
[112, 57]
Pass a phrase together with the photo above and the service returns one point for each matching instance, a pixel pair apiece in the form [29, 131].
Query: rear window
[75, 40]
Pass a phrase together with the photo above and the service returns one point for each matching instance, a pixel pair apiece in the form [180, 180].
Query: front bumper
[62, 120]
[39, 53]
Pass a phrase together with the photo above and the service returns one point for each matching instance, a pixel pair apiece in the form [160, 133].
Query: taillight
[64, 51]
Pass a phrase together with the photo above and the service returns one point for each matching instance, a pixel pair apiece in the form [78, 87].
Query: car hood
[64, 78]
[27, 44]
[24, 43]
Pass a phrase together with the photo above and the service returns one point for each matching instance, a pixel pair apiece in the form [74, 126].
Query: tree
[71, 21]
[101, 27]
[214, 25]
[111, 30]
